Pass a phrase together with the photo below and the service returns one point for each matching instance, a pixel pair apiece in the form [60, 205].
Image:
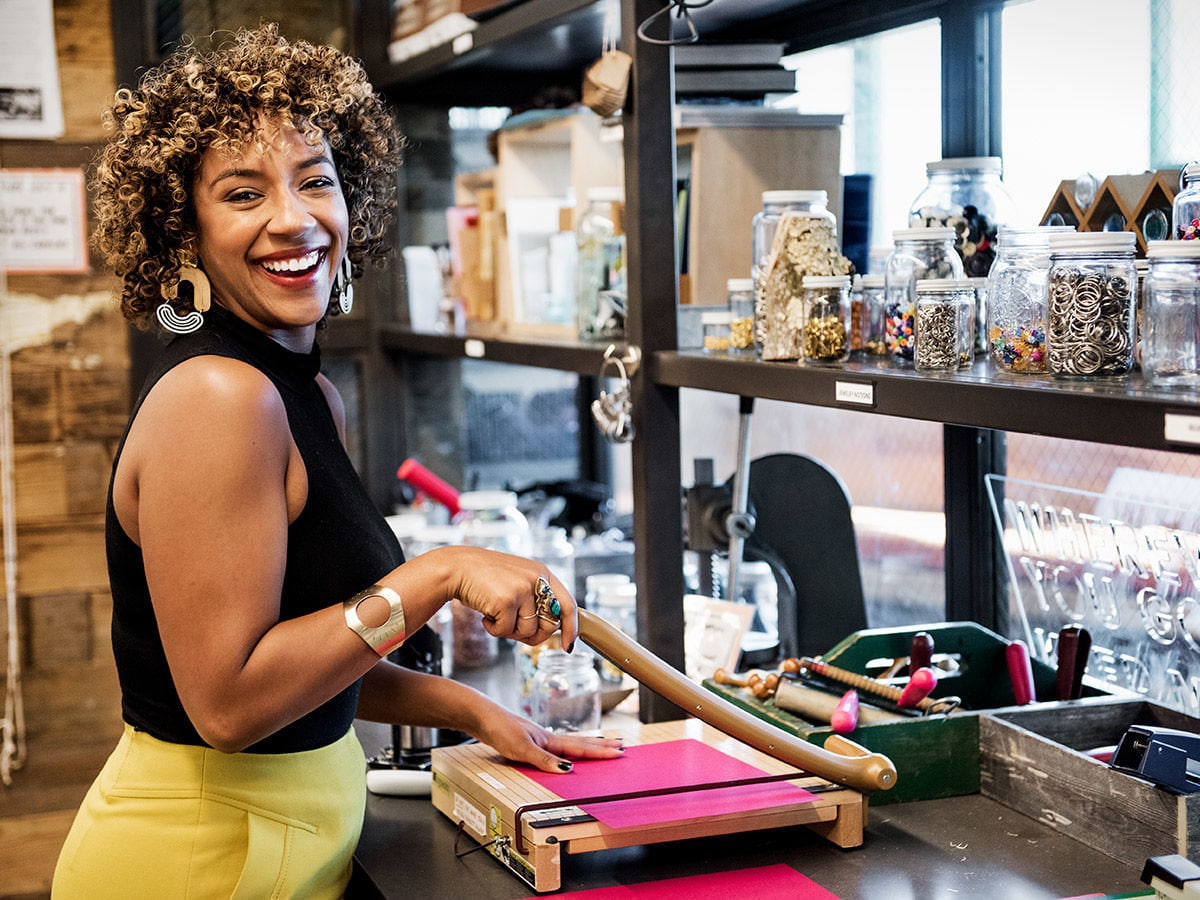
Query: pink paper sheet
[665, 765]
[778, 882]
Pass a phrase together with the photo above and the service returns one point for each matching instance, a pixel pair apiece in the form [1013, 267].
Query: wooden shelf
[566, 356]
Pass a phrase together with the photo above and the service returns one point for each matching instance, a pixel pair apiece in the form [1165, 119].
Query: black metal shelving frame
[976, 407]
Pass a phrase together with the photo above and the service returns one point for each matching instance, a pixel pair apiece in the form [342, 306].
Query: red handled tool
[920, 652]
[845, 717]
[423, 480]
[920, 684]
[1020, 672]
[1074, 645]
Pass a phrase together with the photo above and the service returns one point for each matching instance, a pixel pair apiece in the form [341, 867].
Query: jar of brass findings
[826, 327]
[1171, 315]
[715, 325]
[917, 253]
[1091, 304]
[945, 320]
[740, 292]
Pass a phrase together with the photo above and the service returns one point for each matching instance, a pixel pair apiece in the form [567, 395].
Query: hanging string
[612, 25]
[682, 12]
[12, 726]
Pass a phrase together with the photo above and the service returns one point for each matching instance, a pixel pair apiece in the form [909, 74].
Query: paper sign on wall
[43, 221]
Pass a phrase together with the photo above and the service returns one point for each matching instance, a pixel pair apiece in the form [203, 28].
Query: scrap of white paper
[42, 220]
[30, 98]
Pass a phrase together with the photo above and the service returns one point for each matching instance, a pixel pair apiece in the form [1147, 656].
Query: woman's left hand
[523, 741]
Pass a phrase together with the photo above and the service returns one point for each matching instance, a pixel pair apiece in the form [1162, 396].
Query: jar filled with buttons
[917, 253]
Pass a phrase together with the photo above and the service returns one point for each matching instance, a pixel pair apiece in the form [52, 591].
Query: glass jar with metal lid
[794, 235]
[1185, 208]
[1091, 304]
[826, 318]
[1016, 309]
[740, 293]
[945, 317]
[917, 253]
[1171, 314]
[872, 315]
[966, 194]
[565, 694]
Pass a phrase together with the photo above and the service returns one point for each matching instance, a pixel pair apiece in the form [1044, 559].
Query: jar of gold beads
[741, 309]
[715, 326]
[826, 318]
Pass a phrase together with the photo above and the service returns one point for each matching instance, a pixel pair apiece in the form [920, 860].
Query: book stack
[742, 71]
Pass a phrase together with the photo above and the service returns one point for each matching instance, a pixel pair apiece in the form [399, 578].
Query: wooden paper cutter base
[528, 828]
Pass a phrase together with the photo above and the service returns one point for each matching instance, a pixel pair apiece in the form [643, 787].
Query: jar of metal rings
[1090, 304]
[945, 320]
[740, 292]
[826, 318]
[1185, 209]
[1016, 310]
[917, 253]
[872, 315]
[1171, 314]
[967, 194]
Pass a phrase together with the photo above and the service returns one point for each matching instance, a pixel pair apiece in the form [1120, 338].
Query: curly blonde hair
[142, 178]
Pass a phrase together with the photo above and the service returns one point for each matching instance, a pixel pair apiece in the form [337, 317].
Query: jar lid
[602, 580]
[943, 285]
[487, 500]
[924, 234]
[606, 194]
[795, 197]
[872, 281]
[716, 317]
[973, 163]
[442, 535]
[617, 594]
[1092, 241]
[820, 281]
[1188, 250]
[1037, 236]
[1191, 170]
[739, 284]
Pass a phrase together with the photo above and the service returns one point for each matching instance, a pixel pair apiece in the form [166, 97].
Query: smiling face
[273, 227]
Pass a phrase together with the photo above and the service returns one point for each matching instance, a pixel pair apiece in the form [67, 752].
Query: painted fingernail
[564, 765]
[571, 647]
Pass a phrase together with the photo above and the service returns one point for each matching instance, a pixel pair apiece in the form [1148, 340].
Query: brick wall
[70, 376]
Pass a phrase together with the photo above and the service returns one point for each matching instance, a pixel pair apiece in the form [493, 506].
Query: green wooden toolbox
[938, 755]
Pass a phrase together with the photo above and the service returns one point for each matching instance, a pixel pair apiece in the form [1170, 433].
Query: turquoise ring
[546, 604]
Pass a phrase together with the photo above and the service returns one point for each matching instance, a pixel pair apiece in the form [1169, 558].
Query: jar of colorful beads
[917, 253]
[1016, 310]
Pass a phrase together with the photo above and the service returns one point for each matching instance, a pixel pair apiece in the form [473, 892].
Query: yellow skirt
[169, 821]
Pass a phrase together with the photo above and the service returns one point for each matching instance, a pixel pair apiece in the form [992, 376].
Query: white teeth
[293, 265]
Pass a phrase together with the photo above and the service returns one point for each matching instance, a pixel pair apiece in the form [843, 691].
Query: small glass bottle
[600, 280]
[1185, 209]
[616, 603]
[1171, 315]
[872, 315]
[551, 547]
[826, 318]
[945, 315]
[1091, 304]
[565, 696]
[856, 314]
[715, 327]
[740, 292]
[917, 253]
[491, 519]
[967, 195]
[806, 245]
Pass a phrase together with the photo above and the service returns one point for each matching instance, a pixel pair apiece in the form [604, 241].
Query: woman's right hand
[503, 588]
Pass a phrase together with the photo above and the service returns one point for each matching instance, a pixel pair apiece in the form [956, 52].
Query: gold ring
[534, 616]
[546, 605]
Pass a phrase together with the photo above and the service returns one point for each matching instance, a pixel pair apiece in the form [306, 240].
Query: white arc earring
[168, 318]
[342, 288]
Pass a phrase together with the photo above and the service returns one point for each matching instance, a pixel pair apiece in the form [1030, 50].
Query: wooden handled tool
[840, 760]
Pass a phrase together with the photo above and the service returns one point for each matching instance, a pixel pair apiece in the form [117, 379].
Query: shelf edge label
[859, 394]
[1181, 428]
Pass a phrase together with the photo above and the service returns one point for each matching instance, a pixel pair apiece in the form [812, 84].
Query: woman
[256, 591]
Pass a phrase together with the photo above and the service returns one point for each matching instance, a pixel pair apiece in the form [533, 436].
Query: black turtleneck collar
[294, 368]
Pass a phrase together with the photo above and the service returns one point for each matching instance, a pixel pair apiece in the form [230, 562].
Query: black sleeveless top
[338, 544]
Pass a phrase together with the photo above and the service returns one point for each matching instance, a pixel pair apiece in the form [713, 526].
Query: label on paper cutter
[854, 392]
[1181, 428]
[466, 811]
